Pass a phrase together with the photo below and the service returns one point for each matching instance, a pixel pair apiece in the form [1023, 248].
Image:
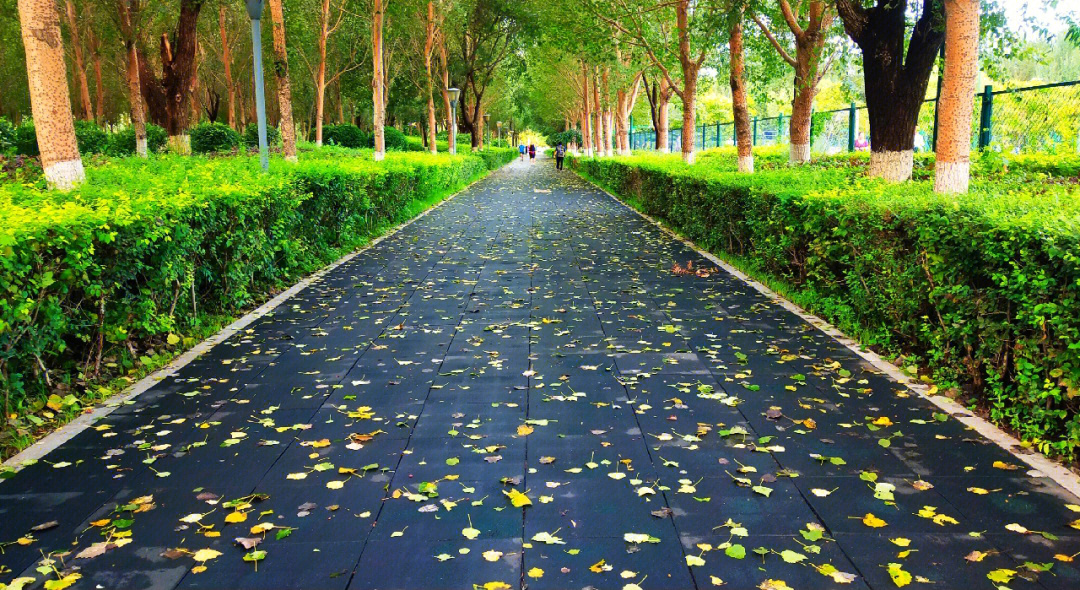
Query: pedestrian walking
[532, 151]
[560, 154]
[521, 151]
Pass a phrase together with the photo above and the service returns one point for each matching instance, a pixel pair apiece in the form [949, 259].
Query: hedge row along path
[532, 387]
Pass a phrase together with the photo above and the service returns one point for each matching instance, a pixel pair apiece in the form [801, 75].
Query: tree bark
[50, 102]
[167, 97]
[99, 85]
[895, 82]
[606, 115]
[127, 10]
[598, 116]
[286, 125]
[952, 169]
[586, 112]
[690, 69]
[451, 123]
[429, 48]
[626, 100]
[320, 75]
[741, 110]
[226, 60]
[378, 101]
[87, 109]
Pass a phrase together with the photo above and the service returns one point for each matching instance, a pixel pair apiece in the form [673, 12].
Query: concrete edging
[54, 439]
[1042, 466]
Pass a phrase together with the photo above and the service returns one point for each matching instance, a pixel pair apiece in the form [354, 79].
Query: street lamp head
[254, 8]
[487, 117]
[454, 93]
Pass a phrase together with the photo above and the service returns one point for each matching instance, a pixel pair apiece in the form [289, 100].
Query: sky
[1048, 13]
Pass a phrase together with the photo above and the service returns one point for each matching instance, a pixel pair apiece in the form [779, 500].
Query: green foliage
[213, 137]
[7, 135]
[26, 139]
[985, 289]
[122, 143]
[91, 138]
[395, 140]
[565, 137]
[349, 136]
[162, 245]
[251, 135]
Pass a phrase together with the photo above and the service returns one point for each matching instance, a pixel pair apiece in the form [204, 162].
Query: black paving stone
[515, 341]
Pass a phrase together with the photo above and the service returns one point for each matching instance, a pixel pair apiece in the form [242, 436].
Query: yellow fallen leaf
[236, 517]
[535, 573]
[524, 430]
[873, 522]
[335, 485]
[205, 555]
[198, 569]
[518, 499]
[599, 566]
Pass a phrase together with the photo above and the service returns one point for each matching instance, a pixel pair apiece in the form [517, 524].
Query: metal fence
[1042, 118]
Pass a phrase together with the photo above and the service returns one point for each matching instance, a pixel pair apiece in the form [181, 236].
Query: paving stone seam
[648, 451]
[67, 432]
[1041, 465]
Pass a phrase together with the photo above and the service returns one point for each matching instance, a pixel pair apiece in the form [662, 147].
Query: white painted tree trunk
[50, 102]
[892, 166]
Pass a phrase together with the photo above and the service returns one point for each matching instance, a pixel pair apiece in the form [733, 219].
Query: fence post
[702, 137]
[986, 117]
[718, 135]
[754, 142]
[853, 123]
[780, 128]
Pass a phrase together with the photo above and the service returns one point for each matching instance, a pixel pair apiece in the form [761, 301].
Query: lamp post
[498, 131]
[453, 93]
[255, 9]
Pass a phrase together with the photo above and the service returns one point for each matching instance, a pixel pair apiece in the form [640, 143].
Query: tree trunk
[606, 115]
[286, 125]
[320, 75]
[624, 106]
[50, 102]
[87, 110]
[226, 60]
[99, 85]
[802, 109]
[168, 97]
[597, 122]
[135, 95]
[663, 126]
[429, 48]
[952, 171]
[451, 123]
[586, 127]
[895, 82]
[689, 115]
[378, 101]
[739, 105]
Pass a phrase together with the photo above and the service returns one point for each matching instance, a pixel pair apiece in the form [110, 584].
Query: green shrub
[395, 140]
[349, 136]
[213, 137]
[985, 288]
[91, 138]
[7, 135]
[143, 237]
[26, 139]
[251, 135]
[122, 143]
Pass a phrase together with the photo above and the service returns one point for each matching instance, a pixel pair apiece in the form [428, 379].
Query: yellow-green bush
[985, 287]
[147, 247]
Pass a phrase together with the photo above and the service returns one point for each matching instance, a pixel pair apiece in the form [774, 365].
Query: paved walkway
[518, 391]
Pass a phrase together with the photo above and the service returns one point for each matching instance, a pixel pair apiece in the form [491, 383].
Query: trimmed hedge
[251, 136]
[122, 143]
[149, 241]
[985, 288]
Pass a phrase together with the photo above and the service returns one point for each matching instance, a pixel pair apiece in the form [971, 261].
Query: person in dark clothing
[532, 151]
[560, 153]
